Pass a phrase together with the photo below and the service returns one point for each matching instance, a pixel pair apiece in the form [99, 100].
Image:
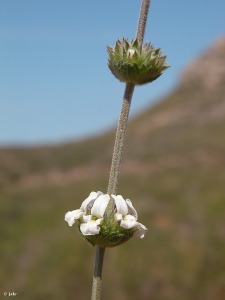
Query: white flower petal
[72, 216]
[129, 222]
[91, 228]
[130, 52]
[89, 199]
[87, 218]
[141, 229]
[118, 217]
[131, 209]
[121, 205]
[99, 206]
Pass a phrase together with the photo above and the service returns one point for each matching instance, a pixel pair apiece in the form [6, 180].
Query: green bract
[135, 63]
[111, 234]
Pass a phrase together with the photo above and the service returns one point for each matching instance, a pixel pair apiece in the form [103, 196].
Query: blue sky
[55, 85]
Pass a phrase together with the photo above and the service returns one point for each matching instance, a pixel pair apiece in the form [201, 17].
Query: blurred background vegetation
[173, 171]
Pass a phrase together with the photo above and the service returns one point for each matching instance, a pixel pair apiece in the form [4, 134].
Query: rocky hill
[173, 171]
[207, 71]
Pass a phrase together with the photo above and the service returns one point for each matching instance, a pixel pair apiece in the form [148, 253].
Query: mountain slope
[184, 119]
[173, 171]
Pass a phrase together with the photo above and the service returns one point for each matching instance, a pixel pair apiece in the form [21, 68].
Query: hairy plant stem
[117, 154]
[142, 20]
[97, 278]
[120, 139]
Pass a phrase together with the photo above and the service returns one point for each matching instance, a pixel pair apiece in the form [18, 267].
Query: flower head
[104, 231]
[136, 63]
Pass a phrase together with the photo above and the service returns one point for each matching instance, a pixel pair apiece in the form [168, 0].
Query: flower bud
[135, 63]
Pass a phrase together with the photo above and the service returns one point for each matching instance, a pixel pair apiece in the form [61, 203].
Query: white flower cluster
[91, 214]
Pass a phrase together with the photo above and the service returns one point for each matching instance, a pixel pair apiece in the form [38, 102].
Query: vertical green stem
[142, 20]
[120, 139]
[118, 153]
[97, 278]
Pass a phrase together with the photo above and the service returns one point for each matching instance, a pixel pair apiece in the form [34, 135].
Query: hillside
[173, 171]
